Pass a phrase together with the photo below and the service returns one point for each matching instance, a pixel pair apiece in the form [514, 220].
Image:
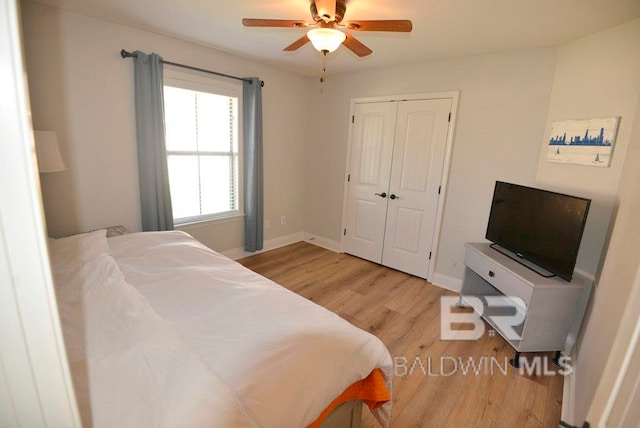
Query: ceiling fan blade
[297, 44]
[326, 8]
[399, 25]
[251, 22]
[356, 46]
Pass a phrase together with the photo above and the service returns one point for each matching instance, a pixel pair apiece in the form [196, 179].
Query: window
[202, 133]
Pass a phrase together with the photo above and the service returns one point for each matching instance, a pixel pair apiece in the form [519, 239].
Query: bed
[162, 331]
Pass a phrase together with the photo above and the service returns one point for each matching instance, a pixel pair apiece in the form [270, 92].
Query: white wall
[83, 90]
[599, 76]
[503, 108]
[596, 76]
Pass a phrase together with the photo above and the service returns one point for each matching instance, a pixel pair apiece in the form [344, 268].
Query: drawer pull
[492, 274]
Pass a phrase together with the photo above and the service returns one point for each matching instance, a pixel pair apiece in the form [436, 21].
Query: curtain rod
[124, 54]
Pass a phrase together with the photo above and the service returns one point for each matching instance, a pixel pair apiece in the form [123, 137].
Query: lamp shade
[48, 152]
[326, 39]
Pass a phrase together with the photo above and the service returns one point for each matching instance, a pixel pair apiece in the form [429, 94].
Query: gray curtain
[252, 165]
[155, 197]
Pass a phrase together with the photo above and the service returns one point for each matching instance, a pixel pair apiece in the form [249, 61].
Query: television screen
[538, 225]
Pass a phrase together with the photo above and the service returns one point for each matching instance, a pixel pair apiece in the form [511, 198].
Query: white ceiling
[441, 28]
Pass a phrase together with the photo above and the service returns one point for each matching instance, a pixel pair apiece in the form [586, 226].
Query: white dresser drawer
[500, 278]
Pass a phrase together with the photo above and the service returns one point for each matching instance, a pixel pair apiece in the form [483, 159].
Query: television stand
[547, 307]
[524, 262]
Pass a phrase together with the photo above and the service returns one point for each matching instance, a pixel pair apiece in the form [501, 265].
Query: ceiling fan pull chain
[324, 66]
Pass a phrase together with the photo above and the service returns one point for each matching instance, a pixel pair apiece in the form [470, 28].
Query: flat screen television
[537, 225]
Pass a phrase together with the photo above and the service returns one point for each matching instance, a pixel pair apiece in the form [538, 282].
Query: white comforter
[162, 331]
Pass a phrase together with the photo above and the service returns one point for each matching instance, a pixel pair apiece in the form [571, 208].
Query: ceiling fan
[326, 34]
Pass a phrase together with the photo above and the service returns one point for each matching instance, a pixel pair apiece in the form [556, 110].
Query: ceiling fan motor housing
[341, 8]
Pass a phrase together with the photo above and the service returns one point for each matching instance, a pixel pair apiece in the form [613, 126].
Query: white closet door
[371, 151]
[418, 161]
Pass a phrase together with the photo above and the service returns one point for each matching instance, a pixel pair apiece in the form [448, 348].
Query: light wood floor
[404, 312]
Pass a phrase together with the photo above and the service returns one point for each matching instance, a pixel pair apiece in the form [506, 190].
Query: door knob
[382, 195]
[392, 196]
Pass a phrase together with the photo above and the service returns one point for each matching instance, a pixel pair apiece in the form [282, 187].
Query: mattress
[162, 331]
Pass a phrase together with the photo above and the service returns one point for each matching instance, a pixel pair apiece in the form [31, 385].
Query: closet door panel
[417, 164]
[414, 166]
[406, 235]
[370, 172]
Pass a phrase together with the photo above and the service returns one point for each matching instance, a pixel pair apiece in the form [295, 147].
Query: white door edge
[36, 389]
[618, 406]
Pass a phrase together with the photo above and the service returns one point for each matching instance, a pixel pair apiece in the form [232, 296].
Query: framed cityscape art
[583, 142]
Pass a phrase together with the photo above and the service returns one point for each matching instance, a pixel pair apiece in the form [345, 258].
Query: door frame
[616, 392]
[444, 179]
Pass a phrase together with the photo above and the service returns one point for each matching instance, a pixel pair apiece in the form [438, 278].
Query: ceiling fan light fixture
[326, 39]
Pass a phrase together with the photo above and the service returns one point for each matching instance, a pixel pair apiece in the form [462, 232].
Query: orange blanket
[372, 390]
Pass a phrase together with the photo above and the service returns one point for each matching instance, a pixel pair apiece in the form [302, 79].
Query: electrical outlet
[283, 220]
[267, 224]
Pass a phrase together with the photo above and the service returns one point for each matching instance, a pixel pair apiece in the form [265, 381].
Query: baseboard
[568, 396]
[447, 282]
[270, 244]
[323, 242]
